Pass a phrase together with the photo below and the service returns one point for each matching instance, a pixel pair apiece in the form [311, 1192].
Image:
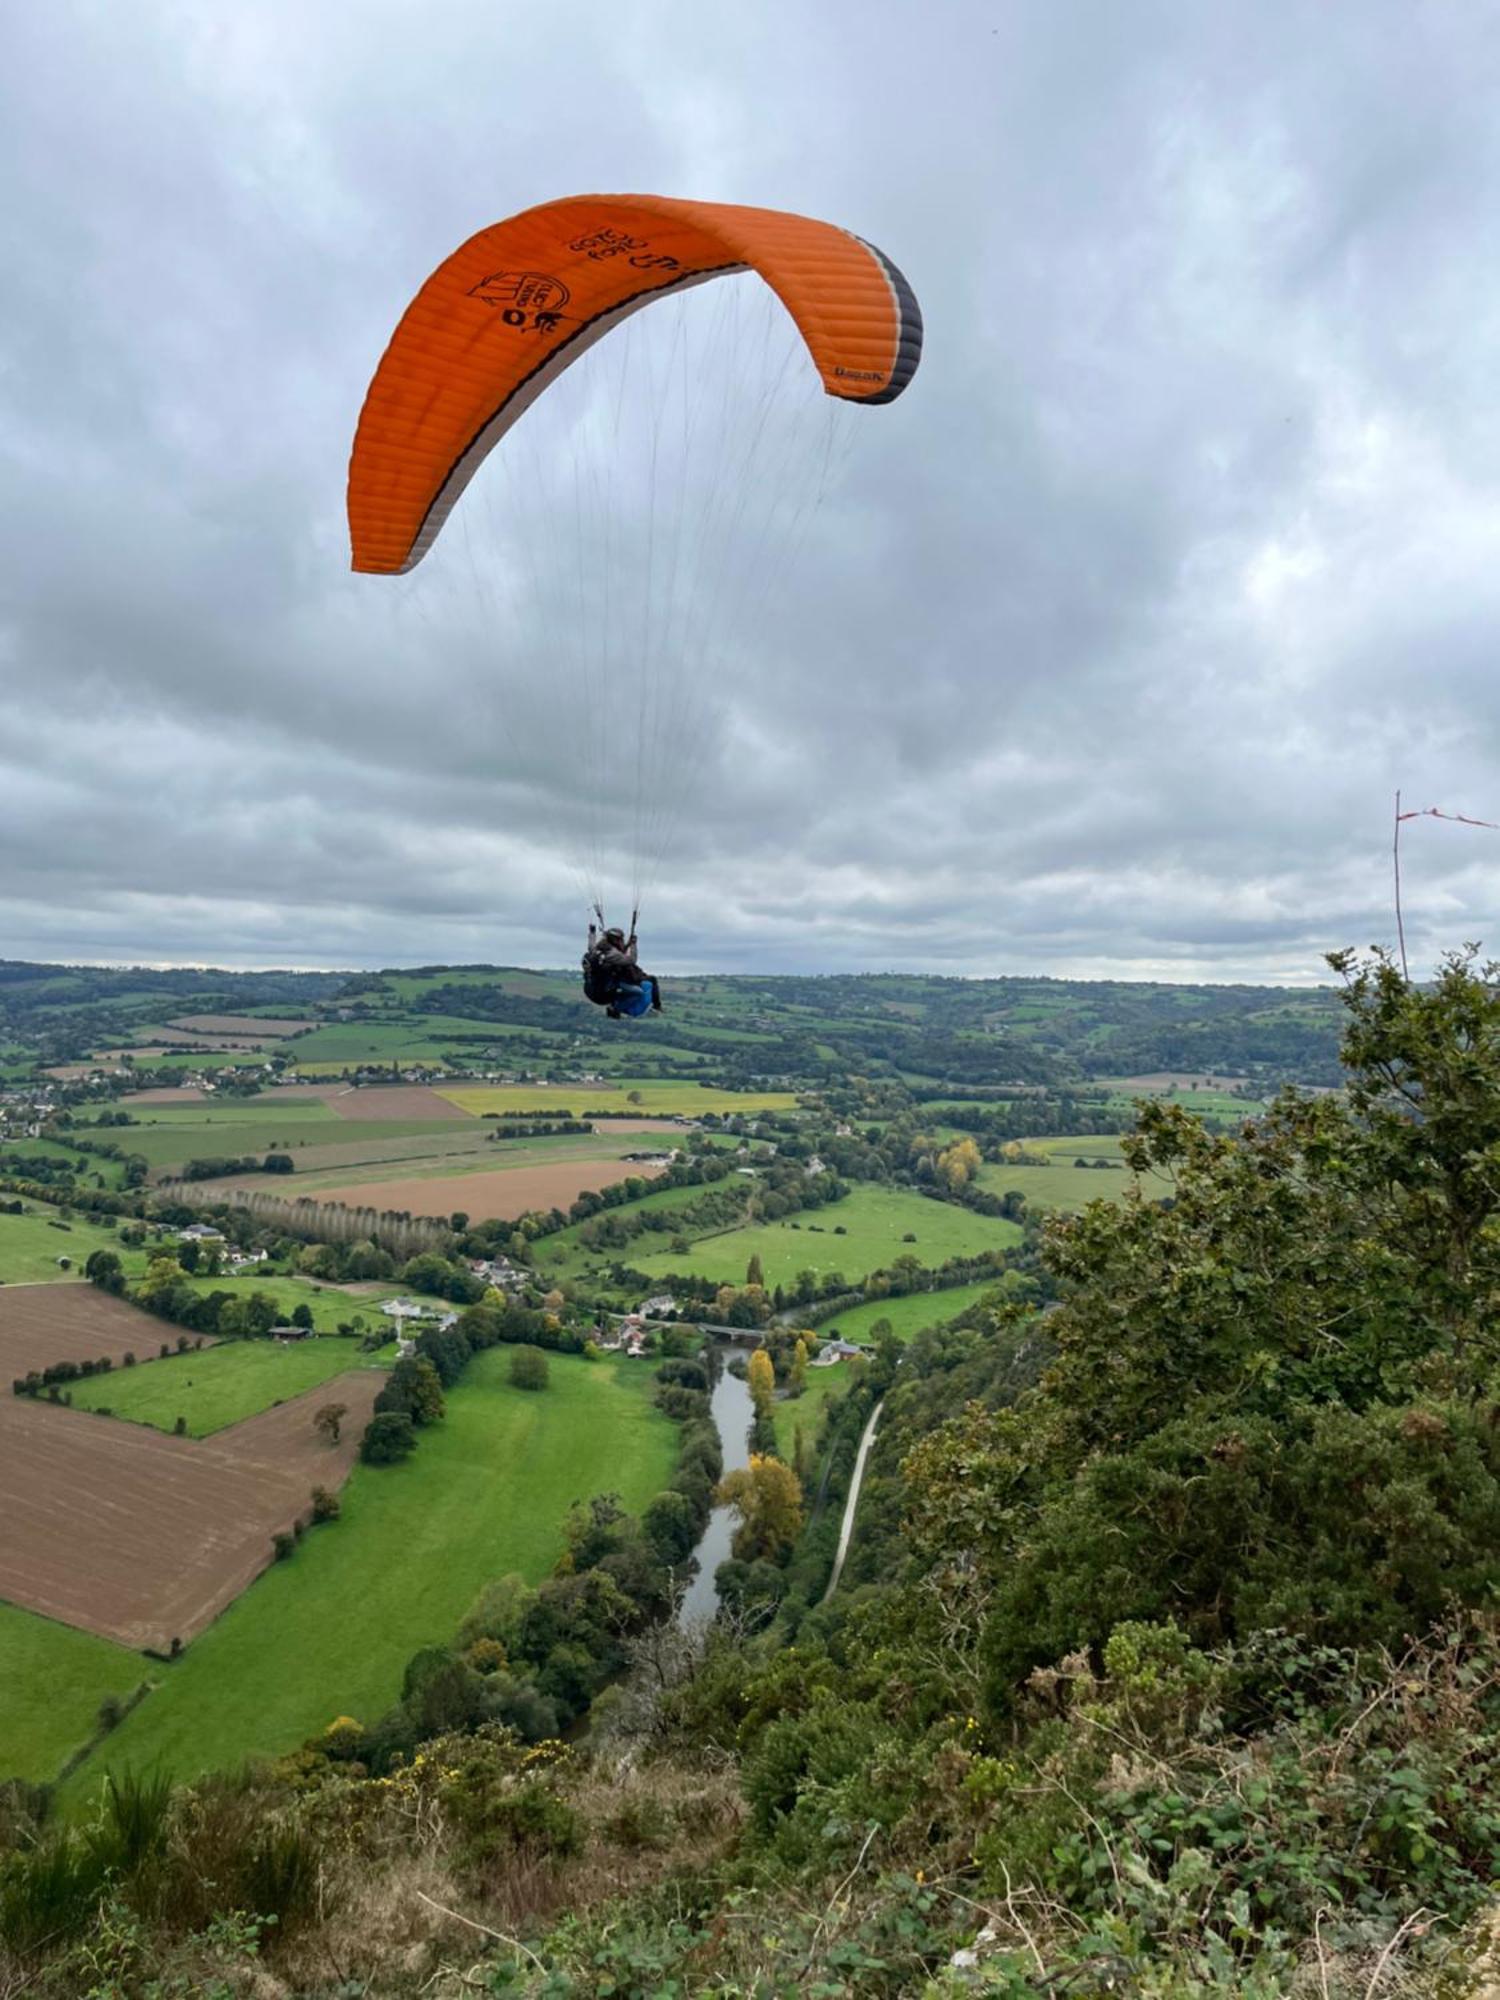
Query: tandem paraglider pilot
[611, 977]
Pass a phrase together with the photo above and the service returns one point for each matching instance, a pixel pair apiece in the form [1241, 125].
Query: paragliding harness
[611, 978]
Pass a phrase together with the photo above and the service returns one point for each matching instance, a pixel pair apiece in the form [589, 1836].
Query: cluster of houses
[23, 1112]
[499, 1272]
[626, 1336]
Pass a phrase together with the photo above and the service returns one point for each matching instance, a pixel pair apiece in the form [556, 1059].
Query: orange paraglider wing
[516, 304]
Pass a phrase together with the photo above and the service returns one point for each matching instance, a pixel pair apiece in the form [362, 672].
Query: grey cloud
[1107, 655]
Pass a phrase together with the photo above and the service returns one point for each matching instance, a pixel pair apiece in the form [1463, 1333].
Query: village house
[657, 1305]
[627, 1336]
[499, 1271]
[199, 1232]
[837, 1350]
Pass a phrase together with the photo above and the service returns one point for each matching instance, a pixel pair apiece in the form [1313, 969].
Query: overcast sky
[1104, 656]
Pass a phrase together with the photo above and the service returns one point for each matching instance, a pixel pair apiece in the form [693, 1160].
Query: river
[732, 1413]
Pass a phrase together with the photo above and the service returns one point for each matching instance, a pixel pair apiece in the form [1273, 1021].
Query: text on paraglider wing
[600, 244]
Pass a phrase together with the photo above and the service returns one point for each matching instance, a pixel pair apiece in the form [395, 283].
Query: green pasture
[1215, 1104]
[206, 1058]
[31, 1244]
[875, 1222]
[655, 1100]
[423, 1039]
[215, 1386]
[476, 1155]
[566, 1251]
[824, 1386]
[330, 1303]
[407, 987]
[1062, 1185]
[908, 1315]
[331, 1631]
[54, 1680]
[88, 1168]
[174, 1146]
[273, 1107]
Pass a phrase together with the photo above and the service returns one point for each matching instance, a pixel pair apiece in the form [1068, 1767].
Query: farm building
[837, 1350]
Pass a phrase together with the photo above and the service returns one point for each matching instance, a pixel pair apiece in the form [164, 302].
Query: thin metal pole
[1396, 865]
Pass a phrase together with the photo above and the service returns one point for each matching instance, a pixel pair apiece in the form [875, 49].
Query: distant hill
[927, 1033]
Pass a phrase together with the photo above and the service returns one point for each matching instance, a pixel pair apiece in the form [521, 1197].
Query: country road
[847, 1529]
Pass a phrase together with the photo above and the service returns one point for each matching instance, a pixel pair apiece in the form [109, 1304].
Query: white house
[653, 1308]
[836, 1350]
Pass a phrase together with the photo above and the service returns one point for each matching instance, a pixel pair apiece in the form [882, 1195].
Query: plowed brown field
[485, 1197]
[40, 1324]
[143, 1538]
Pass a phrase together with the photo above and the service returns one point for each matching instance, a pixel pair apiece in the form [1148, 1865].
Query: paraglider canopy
[518, 303]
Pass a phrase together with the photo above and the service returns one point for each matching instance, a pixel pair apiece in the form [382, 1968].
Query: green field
[472, 1153]
[657, 1100]
[31, 1244]
[824, 1385]
[908, 1315]
[54, 1680]
[331, 1304]
[1061, 1184]
[330, 1632]
[567, 1254]
[875, 1222]
[90, 1169]
[216, 1386]
[325, 1144]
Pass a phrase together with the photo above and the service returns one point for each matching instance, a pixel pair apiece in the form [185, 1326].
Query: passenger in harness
[611, 977]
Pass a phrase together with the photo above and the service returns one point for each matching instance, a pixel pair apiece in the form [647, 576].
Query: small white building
[653, 1308]
[836, 1350]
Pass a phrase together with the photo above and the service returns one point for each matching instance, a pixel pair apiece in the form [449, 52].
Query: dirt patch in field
[41, 1324]
[141, 1537]
[485, 1197]
[188, 1094]
[394, 1101]
[238, 1024]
